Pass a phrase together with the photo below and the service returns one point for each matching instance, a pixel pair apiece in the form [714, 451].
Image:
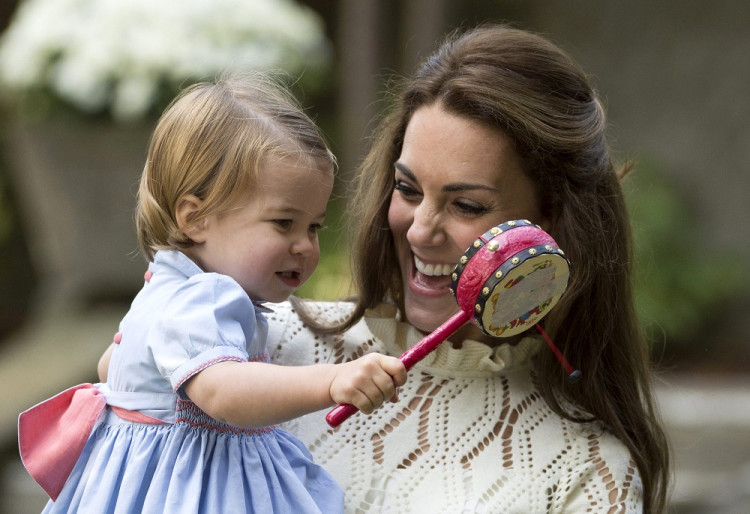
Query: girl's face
[269, 242]
[454, 180]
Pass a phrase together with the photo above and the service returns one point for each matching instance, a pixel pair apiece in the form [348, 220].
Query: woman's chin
[428, 319]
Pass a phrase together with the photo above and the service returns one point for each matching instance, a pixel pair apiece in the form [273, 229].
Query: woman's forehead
[468, 150]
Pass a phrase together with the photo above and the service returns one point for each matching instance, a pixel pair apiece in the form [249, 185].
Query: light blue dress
[181, 460]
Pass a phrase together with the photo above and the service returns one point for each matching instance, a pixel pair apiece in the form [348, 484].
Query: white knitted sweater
[470, 432]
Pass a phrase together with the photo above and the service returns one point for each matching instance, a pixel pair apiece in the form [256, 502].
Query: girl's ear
[188, 207]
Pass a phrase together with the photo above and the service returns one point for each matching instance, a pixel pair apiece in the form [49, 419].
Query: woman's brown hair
[532, 91]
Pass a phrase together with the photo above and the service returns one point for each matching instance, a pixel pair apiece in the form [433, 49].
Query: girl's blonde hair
[210, 142]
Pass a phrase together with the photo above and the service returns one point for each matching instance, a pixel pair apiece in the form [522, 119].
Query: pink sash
[53, 433]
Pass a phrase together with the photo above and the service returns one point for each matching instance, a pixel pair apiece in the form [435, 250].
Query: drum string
[573, 374]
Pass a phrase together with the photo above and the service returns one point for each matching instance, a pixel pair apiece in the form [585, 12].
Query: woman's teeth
[433, 270]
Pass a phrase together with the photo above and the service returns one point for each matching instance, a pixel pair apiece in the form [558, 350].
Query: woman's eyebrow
[448, 188]
[406, 171]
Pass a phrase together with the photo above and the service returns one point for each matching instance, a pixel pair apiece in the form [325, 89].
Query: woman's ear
[188, 207]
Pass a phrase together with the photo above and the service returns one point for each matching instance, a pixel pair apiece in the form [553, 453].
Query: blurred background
[82, 81]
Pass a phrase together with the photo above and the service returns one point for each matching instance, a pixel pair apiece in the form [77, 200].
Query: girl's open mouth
[290, 278]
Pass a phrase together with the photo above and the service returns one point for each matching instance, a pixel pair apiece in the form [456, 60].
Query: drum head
[521, 292]
[510, 278]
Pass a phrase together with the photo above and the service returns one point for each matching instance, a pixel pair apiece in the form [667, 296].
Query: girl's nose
[305, 244]
[426, 228]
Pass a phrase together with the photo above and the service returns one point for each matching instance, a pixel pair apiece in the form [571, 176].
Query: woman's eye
[405, 189]
[471, 208]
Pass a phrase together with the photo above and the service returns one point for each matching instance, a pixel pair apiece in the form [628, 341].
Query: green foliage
[680, 283]
[332, 279]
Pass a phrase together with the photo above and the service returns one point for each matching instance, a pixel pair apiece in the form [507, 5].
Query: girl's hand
[368, 381]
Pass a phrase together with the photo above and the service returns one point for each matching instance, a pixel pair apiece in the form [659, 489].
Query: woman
[498, 124]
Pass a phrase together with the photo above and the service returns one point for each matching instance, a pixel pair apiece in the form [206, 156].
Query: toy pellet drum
[510, 277]
[506, 282]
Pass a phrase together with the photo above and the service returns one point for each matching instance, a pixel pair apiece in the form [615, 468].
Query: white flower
[118, 55]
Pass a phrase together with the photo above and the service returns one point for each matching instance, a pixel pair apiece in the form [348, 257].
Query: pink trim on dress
[136, 417]
[204, 366]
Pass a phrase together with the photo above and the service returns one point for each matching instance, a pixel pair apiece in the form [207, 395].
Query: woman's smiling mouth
[431, 276]
[433, 270]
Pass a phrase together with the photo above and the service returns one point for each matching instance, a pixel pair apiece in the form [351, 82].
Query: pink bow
[52, 434]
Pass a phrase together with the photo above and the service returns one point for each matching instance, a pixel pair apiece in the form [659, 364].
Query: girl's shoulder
[204, 292]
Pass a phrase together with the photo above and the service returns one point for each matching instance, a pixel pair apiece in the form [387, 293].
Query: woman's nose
[426, 228]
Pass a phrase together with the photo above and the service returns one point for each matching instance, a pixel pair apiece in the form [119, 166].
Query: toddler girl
[231, 199]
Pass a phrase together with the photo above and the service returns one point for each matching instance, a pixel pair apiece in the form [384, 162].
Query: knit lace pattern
[469, 433]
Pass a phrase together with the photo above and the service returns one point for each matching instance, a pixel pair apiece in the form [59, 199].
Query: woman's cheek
[399, 215]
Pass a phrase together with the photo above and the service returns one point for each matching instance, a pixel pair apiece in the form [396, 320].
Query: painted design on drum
[531, 280]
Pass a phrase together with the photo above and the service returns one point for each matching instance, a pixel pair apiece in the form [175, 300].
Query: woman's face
[454, 180]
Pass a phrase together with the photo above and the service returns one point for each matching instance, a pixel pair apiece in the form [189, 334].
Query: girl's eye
[471, 208]
[315, 228]
[283, 223]
[405, 189]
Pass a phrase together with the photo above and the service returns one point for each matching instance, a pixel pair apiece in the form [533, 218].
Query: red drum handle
[431, 341]
[340, 413]
[410, 357]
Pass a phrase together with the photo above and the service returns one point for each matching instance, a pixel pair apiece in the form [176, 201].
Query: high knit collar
[472, 358]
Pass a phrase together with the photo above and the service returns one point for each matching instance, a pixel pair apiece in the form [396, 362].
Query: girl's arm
[103, 366]
[254, 394]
